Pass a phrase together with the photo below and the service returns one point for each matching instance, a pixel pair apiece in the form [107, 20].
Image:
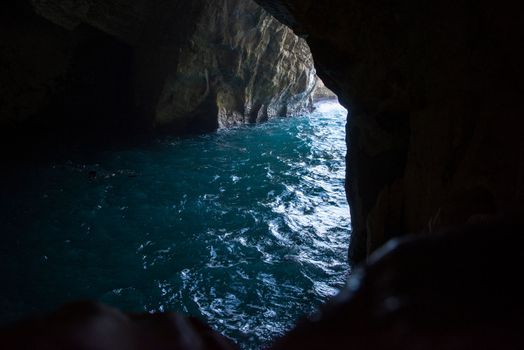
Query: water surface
[245, 228]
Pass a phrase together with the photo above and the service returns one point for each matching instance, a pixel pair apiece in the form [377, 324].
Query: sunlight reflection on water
[246, 228]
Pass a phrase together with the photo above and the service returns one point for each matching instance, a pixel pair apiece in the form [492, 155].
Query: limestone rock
[321, 92]
[251, 66]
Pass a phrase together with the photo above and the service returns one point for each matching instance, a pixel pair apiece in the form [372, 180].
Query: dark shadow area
[67, 89]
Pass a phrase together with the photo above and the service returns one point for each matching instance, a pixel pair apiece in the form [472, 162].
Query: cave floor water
[246, 228]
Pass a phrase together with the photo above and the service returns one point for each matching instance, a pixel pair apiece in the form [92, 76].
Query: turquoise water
[246, 228]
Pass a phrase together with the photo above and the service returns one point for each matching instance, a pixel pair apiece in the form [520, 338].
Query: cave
[435, 153]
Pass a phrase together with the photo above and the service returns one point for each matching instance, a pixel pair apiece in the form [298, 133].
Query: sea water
[245, 228]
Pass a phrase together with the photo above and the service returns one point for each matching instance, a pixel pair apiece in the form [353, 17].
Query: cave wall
[68, 80]
[241, 64]
[434, 135]
[96, 72]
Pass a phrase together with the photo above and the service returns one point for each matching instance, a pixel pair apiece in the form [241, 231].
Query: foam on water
[246, 228]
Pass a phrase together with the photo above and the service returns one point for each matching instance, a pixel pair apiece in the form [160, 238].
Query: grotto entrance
[238, 226]
[400, 54]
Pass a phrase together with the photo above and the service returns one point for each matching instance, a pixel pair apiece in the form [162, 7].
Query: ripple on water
[245, 228]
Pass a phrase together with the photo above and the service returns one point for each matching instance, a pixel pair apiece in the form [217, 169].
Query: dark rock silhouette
[433, 89]
[456, 289]
[87, 325]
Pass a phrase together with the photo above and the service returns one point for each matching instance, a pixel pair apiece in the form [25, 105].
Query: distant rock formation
[321, 92]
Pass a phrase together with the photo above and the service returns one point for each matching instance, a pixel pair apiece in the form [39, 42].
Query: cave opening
[435, 141]
[244, 226]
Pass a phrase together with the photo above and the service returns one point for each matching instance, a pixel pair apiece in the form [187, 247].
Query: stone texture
[106, 70]
[433, 88]
[321, 92]
[241, 64]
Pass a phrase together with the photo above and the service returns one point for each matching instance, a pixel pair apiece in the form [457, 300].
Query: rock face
[96, 70]
[435, 134]
[240, 64]
[321, 92]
